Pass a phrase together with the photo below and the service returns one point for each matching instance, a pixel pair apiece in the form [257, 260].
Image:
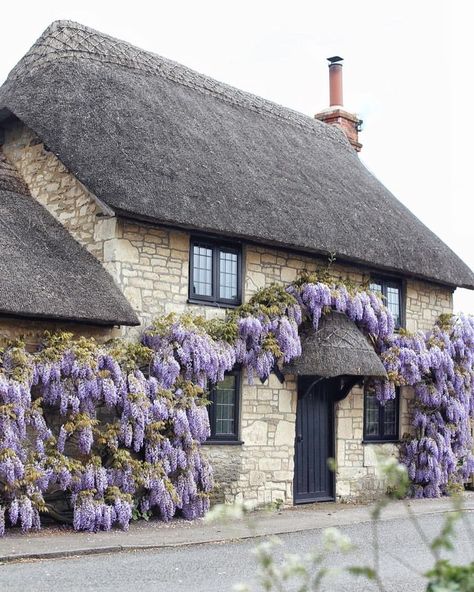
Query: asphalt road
[217, 567]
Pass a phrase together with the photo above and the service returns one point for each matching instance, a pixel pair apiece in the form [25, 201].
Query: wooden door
[314, 444]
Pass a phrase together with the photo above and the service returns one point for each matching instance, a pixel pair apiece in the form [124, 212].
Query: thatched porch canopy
[337, 348]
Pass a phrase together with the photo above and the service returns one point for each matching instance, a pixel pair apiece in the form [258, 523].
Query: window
[380, 421]
[215, 273]
[392, 292]
[224, 408]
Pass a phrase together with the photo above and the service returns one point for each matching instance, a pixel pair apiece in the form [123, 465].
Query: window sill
[394, 441]
[223, 443]
[222, 305]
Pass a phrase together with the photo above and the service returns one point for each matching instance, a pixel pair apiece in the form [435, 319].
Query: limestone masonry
[151, 266]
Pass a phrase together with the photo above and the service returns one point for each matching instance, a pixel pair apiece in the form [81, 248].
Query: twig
[405, 564]
[376, 548]
[469, 528]
[419, 530]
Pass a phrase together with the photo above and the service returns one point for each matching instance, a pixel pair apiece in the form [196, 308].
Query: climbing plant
[96, 423]
[439, 365]
[114, 431]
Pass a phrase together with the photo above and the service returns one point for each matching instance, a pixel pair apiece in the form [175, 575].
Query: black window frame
[216, 246]
[380, 436]
[392, 282]
[225, 438]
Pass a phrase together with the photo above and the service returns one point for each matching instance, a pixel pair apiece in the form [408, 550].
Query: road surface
[217, 567]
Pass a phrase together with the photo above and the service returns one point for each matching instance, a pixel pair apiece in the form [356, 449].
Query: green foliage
[311, 277]
[191, 392]
[445, 577]
[21, 369]
[78, 422]
[361, 570]
[270, 302]
[445, 321]
[306, 573]
[55, 344]
[278, 503]
[138, 514]
[223, 329]
[130, 356]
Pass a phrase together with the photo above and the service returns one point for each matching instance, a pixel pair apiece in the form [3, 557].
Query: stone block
[343, 488]
[285, 434]
[288, 275]
[179, 241]
[252, 257]
[134, 296]
[120, 250]
[256, 478]
[374, 452]
[256, 280]
[284, 401]
[268, 258]
[282, 476]
[255, 433]
[278, 494]
[344, 428]
[269, 463]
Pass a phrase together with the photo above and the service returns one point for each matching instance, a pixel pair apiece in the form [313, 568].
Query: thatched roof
[44, 272]
[155, 140]
[337, 348]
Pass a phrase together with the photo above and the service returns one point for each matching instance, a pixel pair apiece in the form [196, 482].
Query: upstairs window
[381, 423]
[392, 292]
[215, 273]
[224, 408]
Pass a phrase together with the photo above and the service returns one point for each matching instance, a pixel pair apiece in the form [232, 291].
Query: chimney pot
[336, 114]
[335, 81]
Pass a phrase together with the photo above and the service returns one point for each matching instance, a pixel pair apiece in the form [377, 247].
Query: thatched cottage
[131, 186]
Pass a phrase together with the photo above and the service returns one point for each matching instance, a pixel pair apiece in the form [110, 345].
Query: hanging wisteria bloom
[116, 430]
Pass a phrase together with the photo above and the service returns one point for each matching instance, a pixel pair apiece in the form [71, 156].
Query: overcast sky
[407, 73]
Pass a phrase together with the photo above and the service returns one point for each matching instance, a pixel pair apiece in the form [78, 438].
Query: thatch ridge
[67, 39]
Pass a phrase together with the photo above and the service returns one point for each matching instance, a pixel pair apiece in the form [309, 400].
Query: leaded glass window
[224, 408]
[228, 275]
[392, 293]
[215, 273]
[380, 421]
[202, 271]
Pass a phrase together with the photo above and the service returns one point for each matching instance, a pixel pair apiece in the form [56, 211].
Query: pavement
[61, 542]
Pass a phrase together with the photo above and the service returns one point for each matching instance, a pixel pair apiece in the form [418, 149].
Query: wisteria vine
[94, 427]
[439, 366]
[114, 431]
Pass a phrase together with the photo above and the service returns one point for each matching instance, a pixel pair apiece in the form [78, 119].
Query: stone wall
[151, 264]
[357, 477]
[261, 468]
[55, 187]
[424, 303]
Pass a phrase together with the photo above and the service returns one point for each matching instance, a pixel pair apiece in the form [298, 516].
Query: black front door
[314, 444]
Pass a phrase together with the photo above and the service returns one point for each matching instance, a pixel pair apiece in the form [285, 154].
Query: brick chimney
[336, 114]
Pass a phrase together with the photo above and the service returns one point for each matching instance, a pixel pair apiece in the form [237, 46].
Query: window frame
[225, 438]
[216, 246]
[391, 281]
[380, 437]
